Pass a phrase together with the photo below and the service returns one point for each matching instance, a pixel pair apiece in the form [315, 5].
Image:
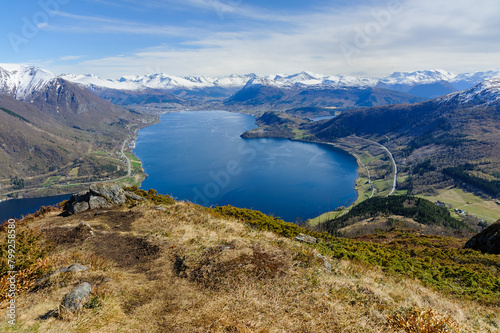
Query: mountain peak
[419, 77]
[487, 92]
[21, 81]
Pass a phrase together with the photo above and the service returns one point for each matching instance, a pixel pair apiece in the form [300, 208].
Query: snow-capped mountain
[313, 80]
[485, 93]
[418, 77]
[402, 81]
[21, 81]
[459, 81]
[158, 81]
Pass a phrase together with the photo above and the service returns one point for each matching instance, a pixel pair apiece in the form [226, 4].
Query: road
[394, 165]
[129, 173]
[129, 164]
[369, 176]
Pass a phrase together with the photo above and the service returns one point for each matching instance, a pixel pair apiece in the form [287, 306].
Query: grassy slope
[487, 210]
[192, 269]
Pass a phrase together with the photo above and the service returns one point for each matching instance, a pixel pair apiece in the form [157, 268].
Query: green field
[74, 172]
[101, 153]
[483, 209]
[138, 171]
[299, 134]
[135, 163]
[51, 181]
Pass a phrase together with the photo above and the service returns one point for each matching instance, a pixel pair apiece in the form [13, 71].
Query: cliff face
[155, 265]
[487, 241]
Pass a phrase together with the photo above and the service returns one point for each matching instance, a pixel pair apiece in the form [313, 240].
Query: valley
[397, 151]
[231, 166]
[57, 137]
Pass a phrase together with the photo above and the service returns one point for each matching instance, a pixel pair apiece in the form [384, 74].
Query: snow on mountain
[308, 79]
[467, 80]
[21, 81]
[418, 77]
[286, 81]
[158, 81]
[487, 92]
[92, 81]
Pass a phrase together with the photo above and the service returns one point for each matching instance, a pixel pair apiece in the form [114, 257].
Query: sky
[112, 38]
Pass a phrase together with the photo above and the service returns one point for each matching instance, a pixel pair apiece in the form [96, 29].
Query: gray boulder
[487, 241]
[79, 207]
[112, 192]
[305, 238]
[98, 202]
[98, 196]
[326, 263]
[76, 298]
[72, 269]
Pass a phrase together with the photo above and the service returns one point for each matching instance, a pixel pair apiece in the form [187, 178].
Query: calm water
[200, 157]
[18, 208]
[322, 118]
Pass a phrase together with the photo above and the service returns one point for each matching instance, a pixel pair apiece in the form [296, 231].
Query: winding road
[129, 164]
[394, 165]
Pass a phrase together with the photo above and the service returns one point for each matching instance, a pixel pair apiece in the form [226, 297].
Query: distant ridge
[401, 81]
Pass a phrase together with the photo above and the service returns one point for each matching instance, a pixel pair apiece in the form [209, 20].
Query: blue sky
[111, 38]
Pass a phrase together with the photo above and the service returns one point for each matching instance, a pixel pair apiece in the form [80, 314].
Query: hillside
[459, 129]
[275, 124]
[53, 130]
[401, 211]
[164, 266]
[261, 95]
[160, 92]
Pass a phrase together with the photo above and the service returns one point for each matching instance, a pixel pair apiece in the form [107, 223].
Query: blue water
[17, 208]
[200, 157]
[322, 118]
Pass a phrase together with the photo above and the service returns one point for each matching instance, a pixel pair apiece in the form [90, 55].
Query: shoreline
[357, 186]
[58, 189]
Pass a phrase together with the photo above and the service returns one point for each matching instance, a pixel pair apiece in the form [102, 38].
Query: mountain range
[243, 92]
[50, 126]
[60, 119]
[402, 81]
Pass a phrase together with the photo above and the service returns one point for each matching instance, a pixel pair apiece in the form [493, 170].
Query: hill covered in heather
[156, 265]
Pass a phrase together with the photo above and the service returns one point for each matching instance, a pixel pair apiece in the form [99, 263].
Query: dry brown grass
[183, 270]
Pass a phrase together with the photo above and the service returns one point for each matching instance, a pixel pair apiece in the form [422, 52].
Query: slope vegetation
[460, 131]
[164, 266]
[63, 130]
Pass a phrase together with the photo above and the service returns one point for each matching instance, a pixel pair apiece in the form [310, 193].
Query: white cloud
[103, 25]
[455, 36]
[70, 58]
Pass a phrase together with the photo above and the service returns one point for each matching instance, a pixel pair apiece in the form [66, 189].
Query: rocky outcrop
[76, 298]
[306, 238]
[98, 196]
[112, 192]
[70, 269]
[487, 241]
[326, 263]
